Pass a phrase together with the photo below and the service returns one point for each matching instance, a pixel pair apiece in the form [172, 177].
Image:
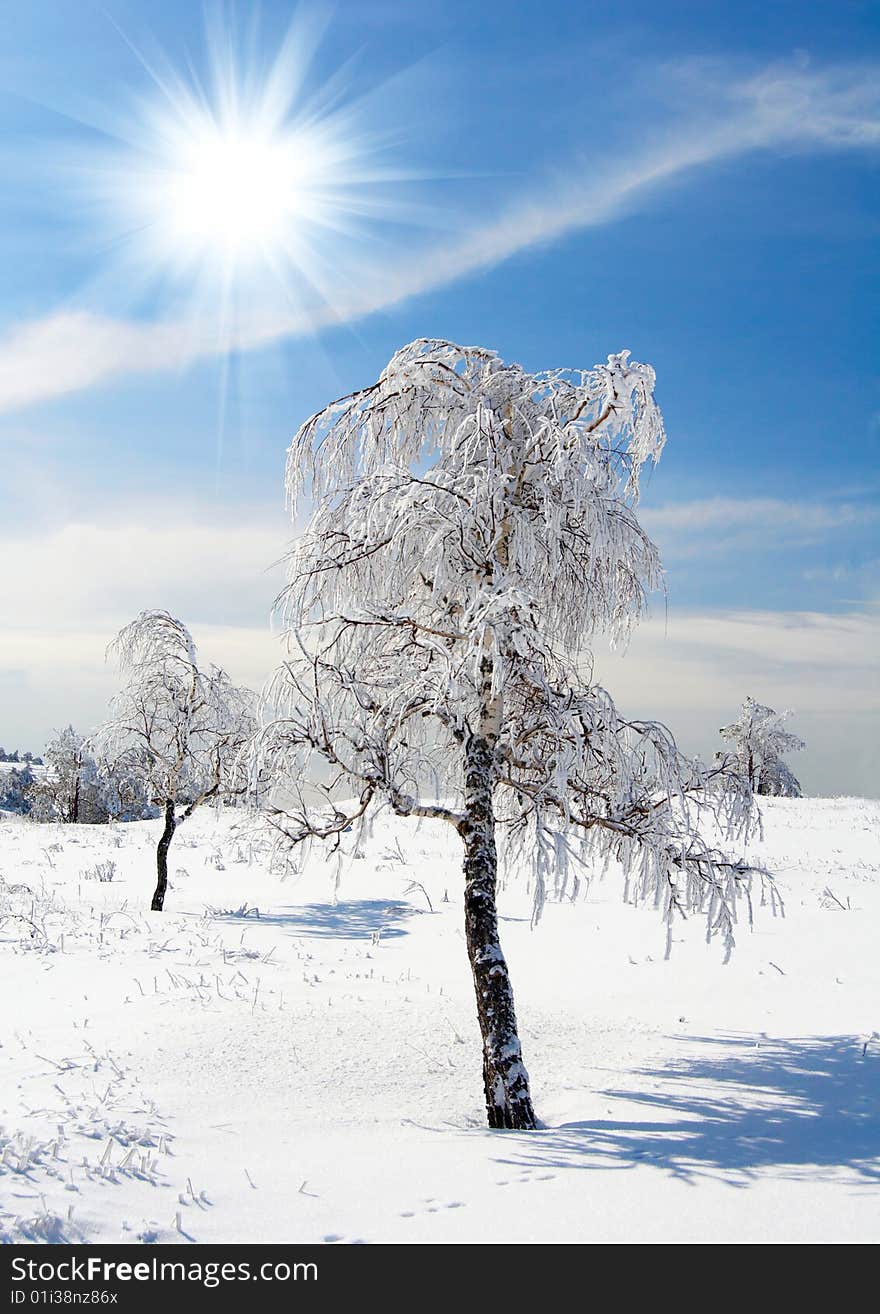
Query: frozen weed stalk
[472, 530]
[102, 871]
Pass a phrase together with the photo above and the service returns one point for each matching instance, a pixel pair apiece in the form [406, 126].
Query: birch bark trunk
[505, 1079]
[162, 858]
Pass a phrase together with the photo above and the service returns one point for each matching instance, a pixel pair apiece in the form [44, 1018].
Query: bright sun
[233, 191]
[239, 192]
[245, 176]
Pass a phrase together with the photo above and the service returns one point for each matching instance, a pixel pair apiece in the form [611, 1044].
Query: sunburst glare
[248, 181]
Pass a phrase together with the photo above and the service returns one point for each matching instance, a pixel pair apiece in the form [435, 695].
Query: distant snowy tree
[472, 529]
[760, 738]
[72, 789]
[77, 788]
[15, 789]
[175, 729]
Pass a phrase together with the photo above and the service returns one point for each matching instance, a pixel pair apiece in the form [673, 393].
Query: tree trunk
[162, 858]
[505, 1080]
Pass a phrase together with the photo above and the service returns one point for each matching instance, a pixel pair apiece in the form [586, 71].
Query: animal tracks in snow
[432, 1206]
[525, 1178]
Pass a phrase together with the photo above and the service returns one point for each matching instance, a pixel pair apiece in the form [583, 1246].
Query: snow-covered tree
[16, 786]
[472, 529]
[77, 788]
[760, 738]
[175, 728]
[72, 789]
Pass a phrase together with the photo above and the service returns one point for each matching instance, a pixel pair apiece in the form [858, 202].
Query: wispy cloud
[778, 643]
[694, 670]
[94, 574]
[721, 115]
[720, 524]
[48, 680]
[82, 580]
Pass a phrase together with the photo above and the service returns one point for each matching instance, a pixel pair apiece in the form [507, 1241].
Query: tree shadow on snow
[807, 1106]
[349, 919]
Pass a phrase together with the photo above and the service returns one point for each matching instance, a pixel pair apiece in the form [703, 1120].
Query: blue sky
[697, 182]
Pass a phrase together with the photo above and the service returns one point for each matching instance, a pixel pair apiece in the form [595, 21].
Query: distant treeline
[16, 756]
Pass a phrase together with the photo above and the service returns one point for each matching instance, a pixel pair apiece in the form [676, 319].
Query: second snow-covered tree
[760, 738]
[175, 728]
[472, 529]
[75, 787]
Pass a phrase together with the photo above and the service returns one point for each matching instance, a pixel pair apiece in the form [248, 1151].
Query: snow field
[263, 1063]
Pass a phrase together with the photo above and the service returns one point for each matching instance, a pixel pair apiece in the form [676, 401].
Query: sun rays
[245, 184]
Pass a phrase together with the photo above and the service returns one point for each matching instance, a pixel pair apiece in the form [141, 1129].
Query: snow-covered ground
[312, 1073]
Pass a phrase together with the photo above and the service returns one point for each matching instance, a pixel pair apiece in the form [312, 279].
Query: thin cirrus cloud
[86, 572]
[787, 107]
[719, 524]
[694, 669]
